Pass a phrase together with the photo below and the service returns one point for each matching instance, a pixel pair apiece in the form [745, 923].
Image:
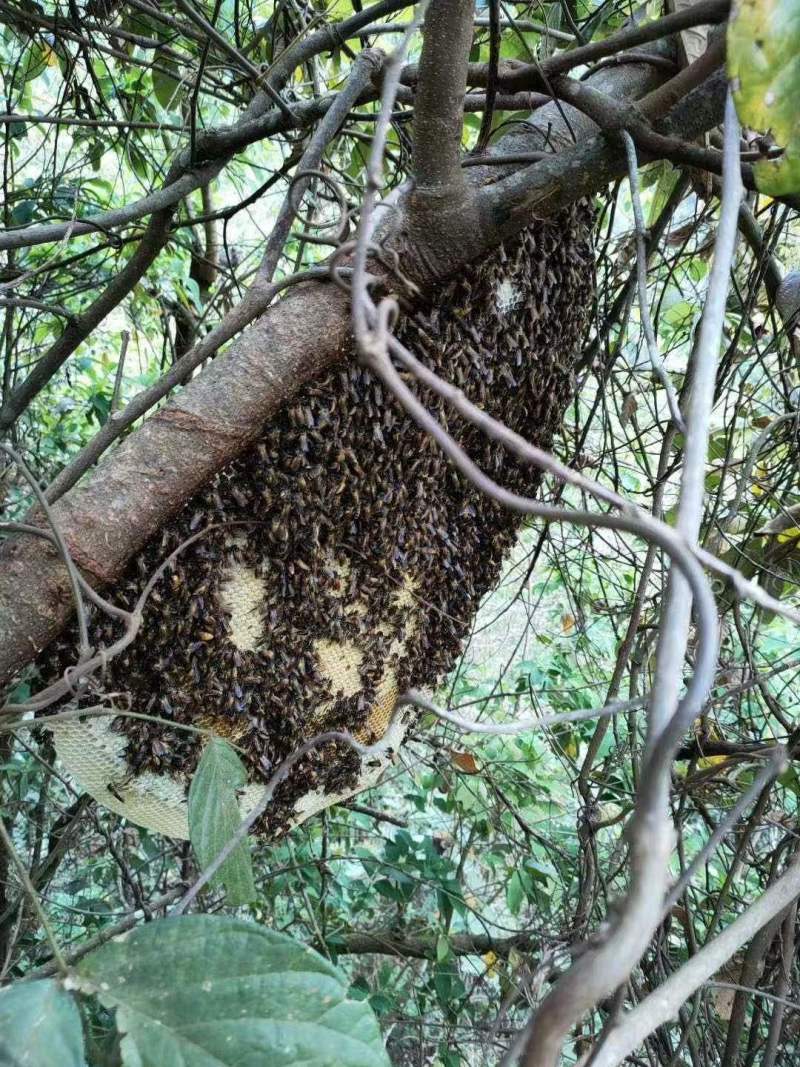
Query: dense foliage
[445, 902]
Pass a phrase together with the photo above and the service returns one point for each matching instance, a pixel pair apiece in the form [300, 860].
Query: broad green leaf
[789, 780]
[764, 68]
[212, 991]
[39, 1026]
[214, 816]
[540, 871]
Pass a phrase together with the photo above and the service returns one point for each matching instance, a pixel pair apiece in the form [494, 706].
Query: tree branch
[390, 942]
[665, 1001]
[545, 187]
[438, 113]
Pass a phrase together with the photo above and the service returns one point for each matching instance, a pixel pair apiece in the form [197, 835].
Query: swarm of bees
[345, 528]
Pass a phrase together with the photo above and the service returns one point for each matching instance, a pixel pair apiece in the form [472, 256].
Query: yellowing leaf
[490, 959]
[711, 761]
[764, 68]
[723, 1002]
[570, 747]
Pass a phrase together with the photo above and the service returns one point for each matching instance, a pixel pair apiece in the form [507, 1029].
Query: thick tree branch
[546, 186]
[438, 114]
[390, 942]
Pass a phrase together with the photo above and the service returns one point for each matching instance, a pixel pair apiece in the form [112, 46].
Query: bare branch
[605, 967]
[656, 362]
[664, 1002]
[391, 942]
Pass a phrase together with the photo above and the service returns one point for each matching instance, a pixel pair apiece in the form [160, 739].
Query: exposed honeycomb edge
[94, 755]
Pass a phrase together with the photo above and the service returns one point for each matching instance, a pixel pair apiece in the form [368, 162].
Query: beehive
[348, 558]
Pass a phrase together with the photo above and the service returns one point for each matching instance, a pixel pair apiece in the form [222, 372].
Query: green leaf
[139, 162]
[212, 991]
[666, 178]
[540, 871]
[23, 212]
[214, 816]
[99, 407]
[764, 68]
[166, 83]
[40, 1026]
[515, 893]
[442, 948]
[789, 780]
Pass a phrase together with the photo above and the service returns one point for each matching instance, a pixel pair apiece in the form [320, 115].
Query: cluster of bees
[345, 501]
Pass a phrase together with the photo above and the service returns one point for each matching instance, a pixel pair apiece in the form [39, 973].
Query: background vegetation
[450, 896]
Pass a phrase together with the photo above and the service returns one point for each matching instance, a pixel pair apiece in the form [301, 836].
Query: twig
[512, 729]
[33, 897]
[656, 361]
[108, 933]
[115, 393]
[776, 764]
[376, 814]
[663, 1003]
[61, 545]
[491, 85]
[367, 64]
